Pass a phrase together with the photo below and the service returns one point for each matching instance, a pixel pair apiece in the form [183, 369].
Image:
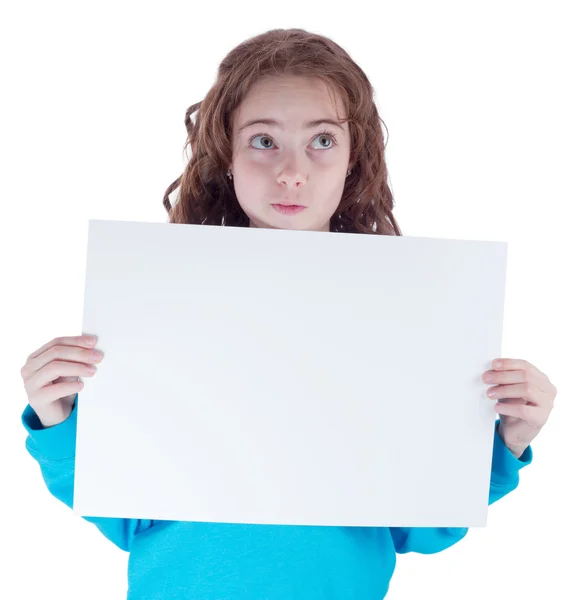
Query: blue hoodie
[220, 561]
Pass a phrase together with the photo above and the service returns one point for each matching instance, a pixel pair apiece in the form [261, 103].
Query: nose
[292, 175]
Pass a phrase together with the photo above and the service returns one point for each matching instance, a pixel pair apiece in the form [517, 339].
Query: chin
[290, 224]
[304, 221]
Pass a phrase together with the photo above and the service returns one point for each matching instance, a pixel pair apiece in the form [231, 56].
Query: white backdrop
[480, 100]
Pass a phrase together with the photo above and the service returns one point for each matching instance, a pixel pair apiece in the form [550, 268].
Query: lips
[288, 209]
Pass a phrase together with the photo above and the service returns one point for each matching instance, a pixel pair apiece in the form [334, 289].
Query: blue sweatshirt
[220, 561]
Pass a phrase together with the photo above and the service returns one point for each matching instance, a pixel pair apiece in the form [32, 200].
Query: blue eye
[265, 135]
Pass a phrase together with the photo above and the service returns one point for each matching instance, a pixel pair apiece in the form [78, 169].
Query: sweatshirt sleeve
[504, 479]
[53, 448]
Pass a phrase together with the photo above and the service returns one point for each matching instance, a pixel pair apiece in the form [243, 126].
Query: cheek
[330, 193]
[333, 183]
[249, 184]
[248, 168]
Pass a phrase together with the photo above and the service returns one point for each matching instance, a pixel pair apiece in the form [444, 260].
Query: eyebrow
[307, 125]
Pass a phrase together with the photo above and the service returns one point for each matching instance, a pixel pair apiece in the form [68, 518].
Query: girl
[287, 138]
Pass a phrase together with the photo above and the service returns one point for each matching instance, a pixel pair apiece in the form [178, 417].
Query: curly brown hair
[206, 195]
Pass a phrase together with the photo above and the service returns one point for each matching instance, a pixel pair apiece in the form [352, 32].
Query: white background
[480, 100]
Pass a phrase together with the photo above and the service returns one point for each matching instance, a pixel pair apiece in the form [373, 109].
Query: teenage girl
[288, 137]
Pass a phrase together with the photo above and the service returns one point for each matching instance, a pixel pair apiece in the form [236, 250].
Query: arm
[505, 469]
[54, 450]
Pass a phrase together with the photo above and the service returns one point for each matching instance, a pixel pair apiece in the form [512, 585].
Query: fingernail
[91, 341]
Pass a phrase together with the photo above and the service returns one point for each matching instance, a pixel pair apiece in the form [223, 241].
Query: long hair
[205, 193]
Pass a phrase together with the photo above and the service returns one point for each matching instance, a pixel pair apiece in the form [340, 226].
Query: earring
[349, 172]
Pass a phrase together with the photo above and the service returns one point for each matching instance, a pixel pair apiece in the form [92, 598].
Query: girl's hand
[525, 397]
[52, 375]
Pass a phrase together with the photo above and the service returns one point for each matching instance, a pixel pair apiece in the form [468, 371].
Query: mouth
[288, 209]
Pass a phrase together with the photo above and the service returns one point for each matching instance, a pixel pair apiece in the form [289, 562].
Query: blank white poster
[288, 377]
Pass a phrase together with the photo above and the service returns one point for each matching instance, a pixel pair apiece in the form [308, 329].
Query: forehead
[290, 99]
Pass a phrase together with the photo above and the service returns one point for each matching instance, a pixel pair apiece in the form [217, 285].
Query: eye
[328, 136]
[324, 135]
[257, 137]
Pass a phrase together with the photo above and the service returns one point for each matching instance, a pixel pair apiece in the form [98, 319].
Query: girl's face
[289, 174]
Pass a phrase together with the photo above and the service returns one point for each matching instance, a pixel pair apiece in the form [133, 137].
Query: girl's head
[290, 120]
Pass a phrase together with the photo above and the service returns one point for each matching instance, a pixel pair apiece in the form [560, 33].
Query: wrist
[516, 449]
[53, 417]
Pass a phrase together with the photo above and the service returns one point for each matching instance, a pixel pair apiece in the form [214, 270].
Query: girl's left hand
[525, 399]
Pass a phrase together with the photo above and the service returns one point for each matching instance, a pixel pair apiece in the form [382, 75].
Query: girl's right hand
[52, 374]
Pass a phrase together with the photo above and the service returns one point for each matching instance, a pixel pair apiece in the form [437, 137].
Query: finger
[518, 390]
[510, 364]
[514, 364]
[516, 376]
[78, 340]
[532, 415]
[512, 401]
[504, 377]
[58, 352]
[44, 396]
[56, 369]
